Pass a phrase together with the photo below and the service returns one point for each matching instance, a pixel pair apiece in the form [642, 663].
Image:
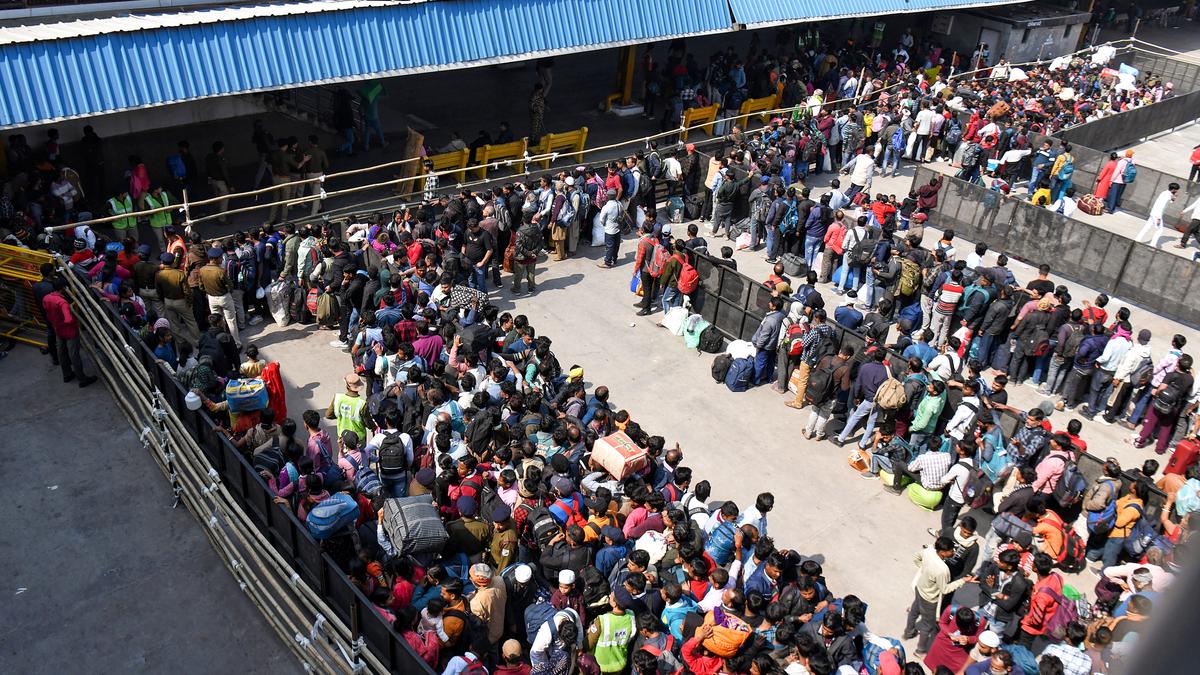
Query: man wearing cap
[219, 289]
[469, 535]
[503, 546]
[610, 221]
[488, 600]
[144, 272]
[510, 657]
[349, 408]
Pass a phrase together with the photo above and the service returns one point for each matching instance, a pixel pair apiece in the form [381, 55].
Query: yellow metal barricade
[20, 317]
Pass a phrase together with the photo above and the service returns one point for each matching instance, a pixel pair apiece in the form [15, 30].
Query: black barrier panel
[1163, 280]
[341, 594]
[1139, 195]
[1129, 127]
[1185, 76]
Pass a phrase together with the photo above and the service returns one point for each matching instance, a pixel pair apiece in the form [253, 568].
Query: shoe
[1105, 421]
[793, 404]
[1127, 424]
[932, 532]
[603, 265]
[837, 441]
[339, 344]
[1043, 391]
[644, 312]
[819, 437]
[515, 290]
[867, 475]
[85, 381]
[772, 261]
[254, 320]
[1060, 405]
[68, 378]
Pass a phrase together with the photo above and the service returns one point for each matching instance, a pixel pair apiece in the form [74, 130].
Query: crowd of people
[553, 562]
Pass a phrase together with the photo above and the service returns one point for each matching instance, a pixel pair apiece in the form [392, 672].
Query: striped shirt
[948, 296]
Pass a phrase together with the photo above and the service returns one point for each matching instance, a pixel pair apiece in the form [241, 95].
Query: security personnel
[122, 205]
[158, 198]
[349, 408]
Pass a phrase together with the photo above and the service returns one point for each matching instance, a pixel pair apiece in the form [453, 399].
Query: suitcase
[1091, 205]
[414, 525]
[794, 266]
[1183, 457]
[619, 455]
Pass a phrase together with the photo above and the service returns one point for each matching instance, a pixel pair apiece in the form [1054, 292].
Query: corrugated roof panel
[758, 13]
[118, 70]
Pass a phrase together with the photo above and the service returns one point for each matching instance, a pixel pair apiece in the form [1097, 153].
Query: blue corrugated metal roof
[756, 13]
[57, 79]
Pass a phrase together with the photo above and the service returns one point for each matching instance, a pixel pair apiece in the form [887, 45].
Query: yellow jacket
[1127, 515]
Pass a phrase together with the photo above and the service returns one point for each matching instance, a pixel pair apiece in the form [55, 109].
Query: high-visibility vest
[120, 208]
[612, 646]
[348, 410]
[162, 219]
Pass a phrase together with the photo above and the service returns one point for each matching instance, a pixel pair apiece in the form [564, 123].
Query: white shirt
[957, 478]
[1065, 205]
[1160, 205]
[838, 199]
[1193, 209]
[610, 217]
[943, 365]
[924, 122]
[861, 167]
[751, 516]
[672, 168]
[958, 425]
[541, 641]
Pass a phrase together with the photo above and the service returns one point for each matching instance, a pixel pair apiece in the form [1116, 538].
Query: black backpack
[1071, 485]
[474, 637]
[720, 366]
[1169, 400]
[865, 248]
[270, 460]
[393, 458]
[820, 383]
[711, 341]
[1070, 346]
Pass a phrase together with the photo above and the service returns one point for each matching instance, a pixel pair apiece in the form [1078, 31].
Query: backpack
[1143, 373]
[910, 277]
[365, 478]
[658, 258]
[1071, 485]
[1169, 400]
[1074, 552]
[307, 261]
[1101, 522]
[898, 140]
[393, 459]
[536, 616]
[473, 667]
[332, 515]
[864, 248]
[820, 383]
[1037, 342]
[566, 214]
[1067, 169]
[474, 637]
[711, 341]
[953, 131]
[1065, 613]
[247, 278]
[573, 509]
[502, 214]
[720, 367]
[759, 208]
[971, 155]
[540, 526]
[740, 375]
[689, 278]
[970, 292]
[1141, 534]
[529, 242]
[794, 339]
[332, 474]
[1070, 346]
[791, 218]
[977, 491]
[890, 394]
[1130, 172]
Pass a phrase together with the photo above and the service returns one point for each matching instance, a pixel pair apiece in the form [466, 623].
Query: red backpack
[689, 278]
[572, 508]
[793, 339]
[659, 256]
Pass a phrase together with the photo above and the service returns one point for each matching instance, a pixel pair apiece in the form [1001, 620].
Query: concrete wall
[1016, 44]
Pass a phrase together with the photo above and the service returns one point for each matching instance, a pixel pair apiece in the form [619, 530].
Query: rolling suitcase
[1184, 456]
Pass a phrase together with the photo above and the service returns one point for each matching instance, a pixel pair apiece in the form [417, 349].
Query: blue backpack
[1141, 534]
[791, 218]
[720, 543]
[740, 373]
[1102, 521]
[1024, 662]
[331, 516]
[365, 478]
[898, 140]
[1130, 172]
[537, 615]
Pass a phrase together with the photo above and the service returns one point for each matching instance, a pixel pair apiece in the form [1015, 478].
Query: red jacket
[699, 661]
[58, 314]
[1043, 604]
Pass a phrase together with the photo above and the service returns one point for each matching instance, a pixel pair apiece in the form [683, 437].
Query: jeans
[395, 487]
[1112, 200]
[819, 418]
[950, 511]
[70, 358]
[764, 365]
[671, 297]
[1076, 387]
[926, 311]
[1141, 402]
[919, 147]
[812, 246]
[478, 278]
[1041, 363]
[880, 463]
[984, 344]
[373, 127]
[756, 234]
[1101, 388]
[1112, 550]
[971, 175]
[891, 156]
[612, 246]
[865, 409]
[1036, 177]
[723, 217]
[772, 242]
[848, 270]
[940, 325]
[1057, 375]
[869, 299]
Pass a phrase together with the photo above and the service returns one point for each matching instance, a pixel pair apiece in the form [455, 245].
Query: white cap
[989, 639]
[569, 180]
[566, 577]
[522, 574]
[192, 401]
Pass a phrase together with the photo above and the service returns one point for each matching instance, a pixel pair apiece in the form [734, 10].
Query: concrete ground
[103, 574]
[1169, 151]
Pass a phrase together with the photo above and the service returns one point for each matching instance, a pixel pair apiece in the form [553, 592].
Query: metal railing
[323, 618]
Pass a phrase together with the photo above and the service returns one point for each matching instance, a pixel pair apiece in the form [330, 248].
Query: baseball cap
[666, 229]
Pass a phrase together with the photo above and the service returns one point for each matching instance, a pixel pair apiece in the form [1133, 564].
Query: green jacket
[291, 244]
[928, 410]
